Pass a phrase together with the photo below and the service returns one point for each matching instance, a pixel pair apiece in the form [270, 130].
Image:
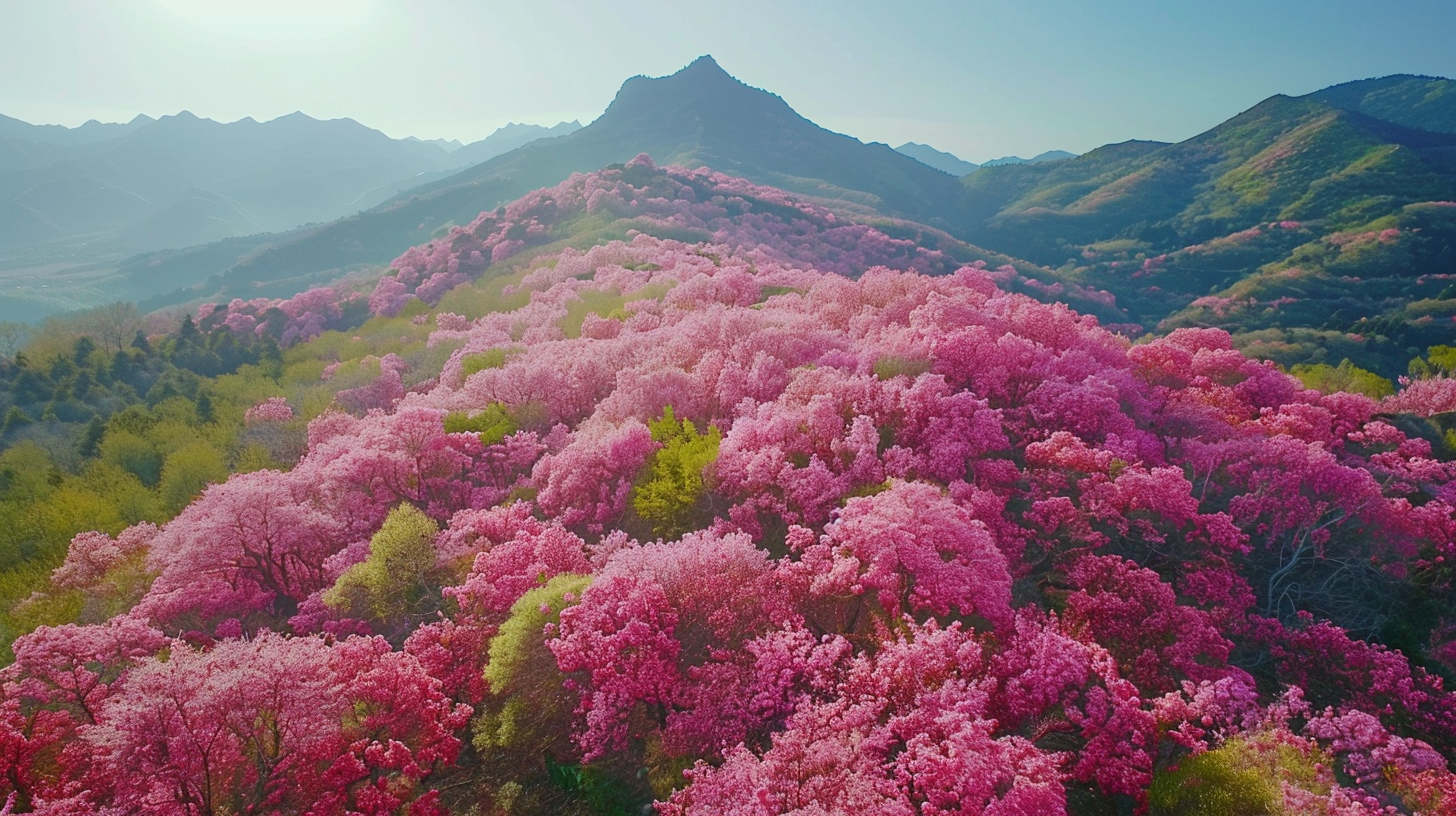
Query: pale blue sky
[978, 78]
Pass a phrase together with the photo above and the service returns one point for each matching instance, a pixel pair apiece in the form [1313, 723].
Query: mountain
[88, 133]
[447, 145]
[1314, 228]
[107, 180]
[942, 161]
[1424, 102]
[24, 146]
[699, 116]
[510, 137]
[1050, 155]
[1309, 226]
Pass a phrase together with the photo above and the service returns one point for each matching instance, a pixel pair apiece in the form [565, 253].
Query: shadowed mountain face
[701, 116]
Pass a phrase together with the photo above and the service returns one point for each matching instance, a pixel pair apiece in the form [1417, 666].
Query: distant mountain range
[1314, 228]
[181, 180]
[939, 159]
[74, 202]
[1050, 155]
[956, 166]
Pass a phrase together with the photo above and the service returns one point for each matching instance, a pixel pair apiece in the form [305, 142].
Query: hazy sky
[978, 78]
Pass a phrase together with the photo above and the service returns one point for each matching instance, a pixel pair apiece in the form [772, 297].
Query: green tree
[187, 471]
[670, 495]
[392, 585]
[133, 453]
[1440, 361]
[1242, 776]
[1346, 377]
[492, 424]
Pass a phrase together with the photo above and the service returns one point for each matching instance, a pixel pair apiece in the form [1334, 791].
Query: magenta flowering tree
[274, 724]
[273, 409]
[248, 550]
[92, 555]
[909, 550]
[905, 731]
[662, 631]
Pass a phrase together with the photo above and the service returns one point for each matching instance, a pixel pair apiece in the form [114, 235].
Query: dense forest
[663, 487]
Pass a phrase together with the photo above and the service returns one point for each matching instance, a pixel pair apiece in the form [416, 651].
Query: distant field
[34, 286]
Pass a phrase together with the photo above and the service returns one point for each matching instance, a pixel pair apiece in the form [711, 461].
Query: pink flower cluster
[273, 409]
[292, 320]
[760, 223]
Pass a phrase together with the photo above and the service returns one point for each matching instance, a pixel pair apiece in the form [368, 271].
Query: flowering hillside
[778, 515]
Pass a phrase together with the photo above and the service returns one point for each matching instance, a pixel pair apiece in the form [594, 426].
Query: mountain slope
[1424, 102]
[508, 138]
[1290, 190]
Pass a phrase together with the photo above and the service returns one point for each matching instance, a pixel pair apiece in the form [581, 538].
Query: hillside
[1427, 103]
[699, 116]
[662, 488]
[1311, 229]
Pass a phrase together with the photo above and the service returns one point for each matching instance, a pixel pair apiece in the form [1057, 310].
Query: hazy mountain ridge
[280, 174]
[79, 200]
[90, 132]
[285, 172]
[939, 159]
[510, 137]
[1050, 155]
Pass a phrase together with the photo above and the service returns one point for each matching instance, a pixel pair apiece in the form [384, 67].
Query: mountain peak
[702, 87]
[704, 65]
